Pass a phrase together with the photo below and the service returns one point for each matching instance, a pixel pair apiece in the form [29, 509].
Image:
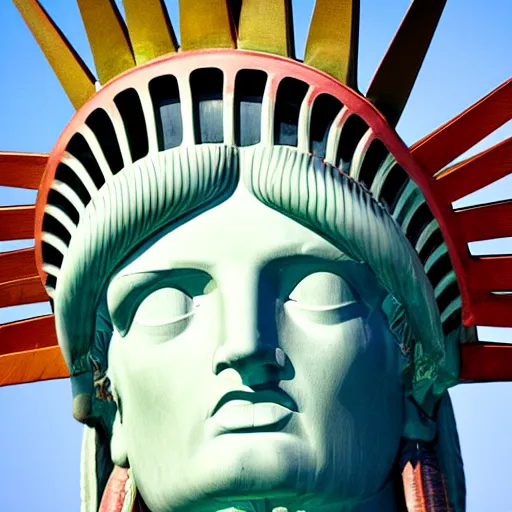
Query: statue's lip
[242, 417]
[268, 396]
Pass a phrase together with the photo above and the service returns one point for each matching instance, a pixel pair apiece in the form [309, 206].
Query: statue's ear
[81, 389]
[118, 449]
[417, 425]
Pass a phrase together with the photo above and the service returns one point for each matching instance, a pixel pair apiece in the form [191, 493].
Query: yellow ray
[73, 74]
[205, 24]
[108, 38]
[333, 39]
[267, 26]
[393, 82]
[150, 29]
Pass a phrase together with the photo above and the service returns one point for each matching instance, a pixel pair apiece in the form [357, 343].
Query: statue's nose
[250, 342]
[257, 364]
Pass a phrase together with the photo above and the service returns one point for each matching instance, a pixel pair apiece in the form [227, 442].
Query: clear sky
[470, 56]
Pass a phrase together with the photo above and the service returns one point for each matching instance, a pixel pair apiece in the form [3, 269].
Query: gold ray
[72, 73]
[108, 38]
[393, 82]
[205, 24]
[333, 39]
[267, 26]
[150, 29]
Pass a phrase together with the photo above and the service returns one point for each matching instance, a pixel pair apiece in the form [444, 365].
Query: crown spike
[393, 82]
[449, 141]
[490, 273]
[22, 291]
[29, 334]
[23, 170]
[333, 39]
[476, 172]
[35, 365]
[19, 281]
[485, 222]
[205, 24]
[489, 309]
[267, 26]
[485, 362]
[72, 73]
[18, 264]
[150, 29]
[486, 277]
[29, 352]
[108, 38]
[17, 222]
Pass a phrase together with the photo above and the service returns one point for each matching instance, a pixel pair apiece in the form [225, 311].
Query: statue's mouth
[252, 411]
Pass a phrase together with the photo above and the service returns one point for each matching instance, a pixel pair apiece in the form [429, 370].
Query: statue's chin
[258, 465]
[258, 472]
[236, 468]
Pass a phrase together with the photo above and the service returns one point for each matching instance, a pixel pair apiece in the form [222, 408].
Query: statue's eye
[322, 289]
[326, 298]
[164, 306]
[157, 302]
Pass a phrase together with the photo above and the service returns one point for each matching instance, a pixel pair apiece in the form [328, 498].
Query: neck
[384, 501]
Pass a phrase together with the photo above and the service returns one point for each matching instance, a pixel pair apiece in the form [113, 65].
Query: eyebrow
[323, 251]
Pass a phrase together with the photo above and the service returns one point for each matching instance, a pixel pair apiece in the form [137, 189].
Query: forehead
[241, 230]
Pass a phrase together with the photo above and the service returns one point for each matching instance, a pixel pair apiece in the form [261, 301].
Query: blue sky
[470, 56]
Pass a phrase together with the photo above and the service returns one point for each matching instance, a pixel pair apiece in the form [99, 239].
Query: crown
[240, 54]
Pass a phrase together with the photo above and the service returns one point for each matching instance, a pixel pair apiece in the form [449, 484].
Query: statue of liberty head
[258, 289]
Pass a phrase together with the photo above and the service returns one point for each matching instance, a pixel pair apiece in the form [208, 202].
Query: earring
[424, 484]
[120, 493]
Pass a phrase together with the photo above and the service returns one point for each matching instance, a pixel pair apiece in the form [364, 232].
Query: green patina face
[252, 361]
[268, 332]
